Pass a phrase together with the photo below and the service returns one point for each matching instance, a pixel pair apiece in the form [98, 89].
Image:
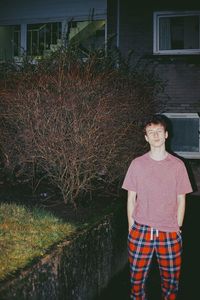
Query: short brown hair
[155, 119]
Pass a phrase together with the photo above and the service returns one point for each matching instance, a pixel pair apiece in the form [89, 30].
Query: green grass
[26, 234]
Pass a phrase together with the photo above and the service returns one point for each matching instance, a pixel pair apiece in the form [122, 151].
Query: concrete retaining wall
[76, 269]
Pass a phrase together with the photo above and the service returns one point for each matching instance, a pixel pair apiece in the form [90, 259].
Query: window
[176, 33]
[184, 135]
[40, 39]
[9, 42]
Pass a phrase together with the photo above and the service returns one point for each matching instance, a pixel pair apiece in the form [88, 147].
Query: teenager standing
[157, 183]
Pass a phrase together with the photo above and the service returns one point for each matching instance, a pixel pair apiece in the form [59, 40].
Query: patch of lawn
[26, 234]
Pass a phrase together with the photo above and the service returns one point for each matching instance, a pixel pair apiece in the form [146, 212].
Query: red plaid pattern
[142, 242]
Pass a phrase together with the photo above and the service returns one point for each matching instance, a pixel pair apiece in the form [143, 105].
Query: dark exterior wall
[181, 74]
[182, 92]
[135, 30]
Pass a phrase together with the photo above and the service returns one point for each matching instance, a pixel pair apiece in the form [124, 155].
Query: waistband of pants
[147, 228]
[139, 226]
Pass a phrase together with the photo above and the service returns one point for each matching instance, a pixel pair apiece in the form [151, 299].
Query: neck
[158, 153]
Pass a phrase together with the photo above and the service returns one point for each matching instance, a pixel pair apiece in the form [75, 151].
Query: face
[156, 135]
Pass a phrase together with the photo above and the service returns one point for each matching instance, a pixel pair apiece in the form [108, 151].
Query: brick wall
[182, 92]
[180, 73]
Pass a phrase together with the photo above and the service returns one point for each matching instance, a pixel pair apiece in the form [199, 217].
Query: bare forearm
[130, 208]
[181, 209]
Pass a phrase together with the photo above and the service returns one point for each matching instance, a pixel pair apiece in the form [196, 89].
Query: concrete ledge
[76, 269]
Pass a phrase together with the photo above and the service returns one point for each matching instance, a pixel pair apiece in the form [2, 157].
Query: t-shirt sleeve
[183, 182]
[130, 180]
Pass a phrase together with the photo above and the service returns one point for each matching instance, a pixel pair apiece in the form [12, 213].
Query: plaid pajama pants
[142, 242]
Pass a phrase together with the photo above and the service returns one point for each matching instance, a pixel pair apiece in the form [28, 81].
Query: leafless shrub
[76, 123]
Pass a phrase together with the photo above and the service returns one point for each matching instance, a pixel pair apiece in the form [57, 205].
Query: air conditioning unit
[184, 138]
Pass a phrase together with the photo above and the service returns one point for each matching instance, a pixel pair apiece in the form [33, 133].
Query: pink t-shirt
[157, 184]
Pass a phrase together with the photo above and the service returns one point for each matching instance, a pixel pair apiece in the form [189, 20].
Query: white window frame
[156, 17]
[186, 154]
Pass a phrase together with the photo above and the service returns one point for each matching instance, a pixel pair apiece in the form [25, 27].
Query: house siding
[24, 11]
[181, 74]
